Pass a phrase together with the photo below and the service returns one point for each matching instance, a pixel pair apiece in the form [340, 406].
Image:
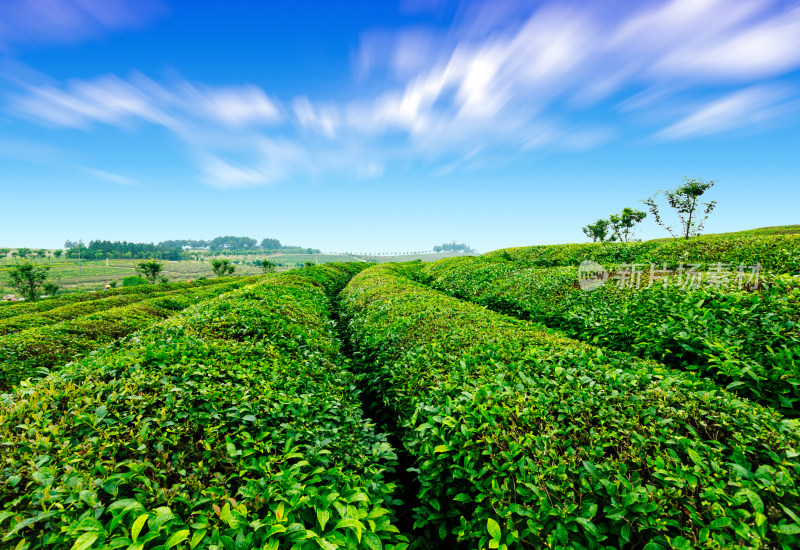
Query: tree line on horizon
[174, 249]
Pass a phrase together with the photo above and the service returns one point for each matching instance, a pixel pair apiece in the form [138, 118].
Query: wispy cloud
[562, 56]
[26, 21]
[748, 107]
[231, 105]
[111, 100]
[505, 76]
[109, 177]
[106, 99]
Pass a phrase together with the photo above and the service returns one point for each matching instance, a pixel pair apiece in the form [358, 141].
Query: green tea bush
[776, 253]
[746, 341]
[524, 438]
[26, 353]
[72, 311]
[26, 308]
[134, 280]
[233, 425]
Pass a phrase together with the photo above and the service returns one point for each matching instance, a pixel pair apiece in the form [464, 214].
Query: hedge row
[26, 353]
[12, 309]
[78, 309]
[234, 425]
[776, 253]
[748, 342]
[524, 438]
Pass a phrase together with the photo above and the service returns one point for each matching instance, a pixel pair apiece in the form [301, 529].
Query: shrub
[133, 280]
[232, 436]
[776, 253]
[746, 341]
[27, 353]
[525, 438]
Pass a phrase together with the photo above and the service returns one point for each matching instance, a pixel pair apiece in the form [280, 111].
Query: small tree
[23, 252]
[222, 267]
[684, 200]
[622, 225]
[57, 253]
[28, 279]
[309, 263]
[598, 231]
[267, 266]
[150, 270]
[51, 289]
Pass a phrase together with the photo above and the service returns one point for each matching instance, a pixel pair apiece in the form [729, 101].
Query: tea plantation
[472, 402]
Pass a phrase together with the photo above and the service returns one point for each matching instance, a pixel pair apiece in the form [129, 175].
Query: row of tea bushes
[776, 253]
[13, 309]
[524, 438]
[73, 310]
[234, 425]
[27, 353]
[70, 311]
[745, 341]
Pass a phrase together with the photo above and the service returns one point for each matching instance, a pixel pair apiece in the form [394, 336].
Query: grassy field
[95, 274]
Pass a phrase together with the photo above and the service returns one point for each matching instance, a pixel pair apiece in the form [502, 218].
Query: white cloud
[219, 173]
[321, 119]
[109, 177]
[106, 99]
[264, 162]
[564, 58]
[111, 100]
[727, 42]
[747, 107]
[232, 105]
[508, 76]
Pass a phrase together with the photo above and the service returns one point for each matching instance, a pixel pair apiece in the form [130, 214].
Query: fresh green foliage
[28, 279]
[526, 439]
[51, 289]
[684, 200]
[267, 266]
[46, 345]
[24, 308]
[775, 253]
[624, 223]
[748, 342]
[598, 231]
[70, 311]
[222, 267]
[619, 227]
[233, 425]
[133, 280]
[150, 270]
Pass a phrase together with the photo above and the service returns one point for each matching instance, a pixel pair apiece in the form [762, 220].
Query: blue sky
[390, 126]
